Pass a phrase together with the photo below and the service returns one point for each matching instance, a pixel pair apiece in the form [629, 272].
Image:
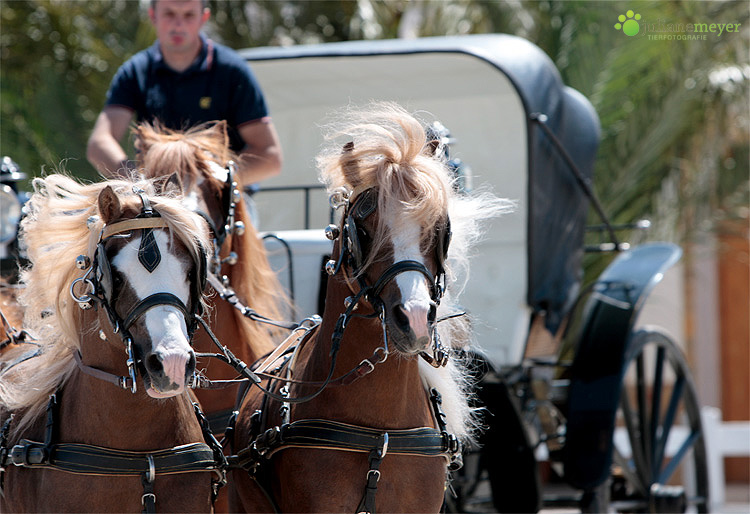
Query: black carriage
[569, 375]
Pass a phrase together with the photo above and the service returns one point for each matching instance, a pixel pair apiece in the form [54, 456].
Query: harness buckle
[151, 473]
[384, 448]
[151, 496]
[131, 365]
[365, 368]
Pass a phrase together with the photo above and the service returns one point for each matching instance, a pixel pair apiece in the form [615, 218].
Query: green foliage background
[674, 113]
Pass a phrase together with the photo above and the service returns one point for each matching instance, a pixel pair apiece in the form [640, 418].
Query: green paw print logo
[628, 22]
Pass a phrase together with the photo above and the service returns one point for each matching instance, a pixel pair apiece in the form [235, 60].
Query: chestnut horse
[102, 421]
[239, 265]
[353, 417]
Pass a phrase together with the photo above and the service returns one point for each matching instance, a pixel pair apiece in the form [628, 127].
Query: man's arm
[261, 157]
[103, 150]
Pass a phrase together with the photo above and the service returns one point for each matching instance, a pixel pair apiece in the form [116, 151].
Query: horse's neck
[248, 339]
[93, 411]
[392, 395]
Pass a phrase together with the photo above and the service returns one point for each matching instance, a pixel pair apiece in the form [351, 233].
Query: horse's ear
[220, 127]
[170, 185]
[431, 147]
[109, 205]
[140, 132]
[349, 165]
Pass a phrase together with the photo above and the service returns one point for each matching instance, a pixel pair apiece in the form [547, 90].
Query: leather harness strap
[335, 435]
[132, 224]
[86, 459]
[339, 436]
[94, 460]
[122, 382]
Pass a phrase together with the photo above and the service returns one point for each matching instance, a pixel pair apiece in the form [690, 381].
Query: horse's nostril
[153, 363]
[402, 320]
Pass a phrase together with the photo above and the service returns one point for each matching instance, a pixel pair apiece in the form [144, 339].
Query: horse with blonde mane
[368, 410]
[101, 420]
[239, 269]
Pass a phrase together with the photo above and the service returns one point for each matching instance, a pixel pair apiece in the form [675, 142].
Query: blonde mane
[164, 151]
[62, 222]
[385, 147]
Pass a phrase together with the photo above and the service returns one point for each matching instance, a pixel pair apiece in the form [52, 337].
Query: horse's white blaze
[415, 294]
[165, 324]
[191, 201]
[218, 171]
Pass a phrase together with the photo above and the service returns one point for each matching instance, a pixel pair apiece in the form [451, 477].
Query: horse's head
[395, 230]
[202, 157]
[399, 262]
[148, 276]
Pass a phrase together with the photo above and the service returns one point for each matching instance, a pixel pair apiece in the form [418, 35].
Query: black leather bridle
[99, 284]
[358, 205]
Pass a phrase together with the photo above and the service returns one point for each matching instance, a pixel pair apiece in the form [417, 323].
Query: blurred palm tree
[56, 60]
[674, 113]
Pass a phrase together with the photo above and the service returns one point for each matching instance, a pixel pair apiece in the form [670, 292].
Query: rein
[230, 226]
[228, 294]
[17, 337]
[13, 335]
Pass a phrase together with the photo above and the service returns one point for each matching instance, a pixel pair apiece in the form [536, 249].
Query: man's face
[178, 23]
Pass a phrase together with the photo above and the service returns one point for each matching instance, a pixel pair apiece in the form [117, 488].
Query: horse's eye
[117, 282]
[364, 237]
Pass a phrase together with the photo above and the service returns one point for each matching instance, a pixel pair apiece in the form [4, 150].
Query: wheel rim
[658, 457]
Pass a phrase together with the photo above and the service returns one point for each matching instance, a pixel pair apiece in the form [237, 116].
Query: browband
[133, 224]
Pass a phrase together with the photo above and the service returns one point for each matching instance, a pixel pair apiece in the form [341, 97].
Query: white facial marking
[190, 201]
[415, 294]
[165, 324]
[218, 171]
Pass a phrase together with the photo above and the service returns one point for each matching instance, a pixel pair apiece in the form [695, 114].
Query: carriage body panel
[485, 90]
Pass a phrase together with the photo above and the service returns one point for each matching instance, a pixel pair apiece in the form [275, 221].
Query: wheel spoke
[629, 471]
[636, 444]
[656, 411]
[666, 474]
[642, 417]
[658, 407]
[669, 416]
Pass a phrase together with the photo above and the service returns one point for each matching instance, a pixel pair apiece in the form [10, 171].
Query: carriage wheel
[659, 455]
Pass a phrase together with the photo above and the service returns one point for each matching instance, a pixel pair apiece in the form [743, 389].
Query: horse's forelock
[165, 151]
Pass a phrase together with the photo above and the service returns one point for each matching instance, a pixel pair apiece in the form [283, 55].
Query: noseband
[100, 286]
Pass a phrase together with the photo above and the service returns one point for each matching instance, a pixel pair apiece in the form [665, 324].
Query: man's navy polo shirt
[219, 85]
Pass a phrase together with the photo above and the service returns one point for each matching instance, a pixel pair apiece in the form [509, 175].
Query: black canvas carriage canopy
[489, 91]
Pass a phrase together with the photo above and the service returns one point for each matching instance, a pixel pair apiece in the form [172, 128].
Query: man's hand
[103, 150]
[261, 157]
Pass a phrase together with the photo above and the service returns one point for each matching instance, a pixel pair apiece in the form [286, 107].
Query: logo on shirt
[205, 102]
